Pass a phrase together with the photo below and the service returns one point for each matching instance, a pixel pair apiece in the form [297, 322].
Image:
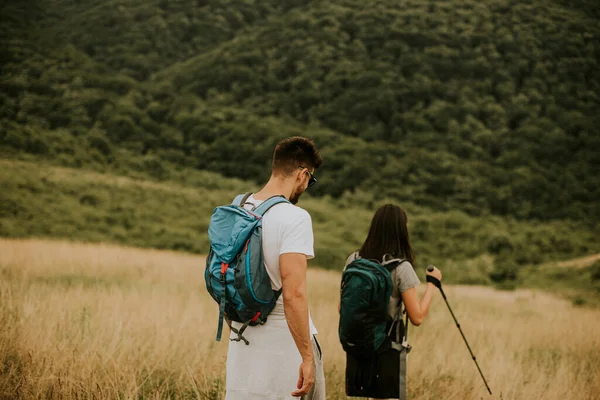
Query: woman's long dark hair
[388, 235]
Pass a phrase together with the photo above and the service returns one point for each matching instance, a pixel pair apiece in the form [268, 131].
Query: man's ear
[300, 175]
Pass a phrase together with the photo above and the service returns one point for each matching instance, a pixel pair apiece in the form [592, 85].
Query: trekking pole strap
[435, 281]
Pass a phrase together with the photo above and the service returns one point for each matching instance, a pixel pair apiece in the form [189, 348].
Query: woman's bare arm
[415, 308]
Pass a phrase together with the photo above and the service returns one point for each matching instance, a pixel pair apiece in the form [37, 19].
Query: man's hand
[306, 378]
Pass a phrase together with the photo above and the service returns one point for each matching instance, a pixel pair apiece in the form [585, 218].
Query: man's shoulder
[288, 213]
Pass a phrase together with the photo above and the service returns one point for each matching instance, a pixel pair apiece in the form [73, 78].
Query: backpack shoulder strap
[267, 204]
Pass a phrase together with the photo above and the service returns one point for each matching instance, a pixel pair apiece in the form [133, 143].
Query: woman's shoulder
[351, 257]
[405, 267]
[405, 276]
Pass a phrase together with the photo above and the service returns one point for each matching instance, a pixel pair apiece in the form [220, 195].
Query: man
[268, 367]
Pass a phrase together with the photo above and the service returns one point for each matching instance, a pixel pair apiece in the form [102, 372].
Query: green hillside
[483, 108]
[39, 200]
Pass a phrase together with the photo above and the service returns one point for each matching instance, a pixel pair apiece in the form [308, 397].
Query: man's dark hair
[294, 152]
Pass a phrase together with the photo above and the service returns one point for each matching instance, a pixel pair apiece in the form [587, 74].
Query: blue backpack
[235, 275]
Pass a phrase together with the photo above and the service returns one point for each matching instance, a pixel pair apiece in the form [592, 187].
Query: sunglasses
[312, 179]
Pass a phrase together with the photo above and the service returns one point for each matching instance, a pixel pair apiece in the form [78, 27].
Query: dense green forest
[484, 107]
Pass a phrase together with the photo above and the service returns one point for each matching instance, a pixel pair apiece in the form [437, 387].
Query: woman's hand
[436, 273]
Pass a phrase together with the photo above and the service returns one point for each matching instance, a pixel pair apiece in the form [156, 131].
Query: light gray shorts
[317, 392]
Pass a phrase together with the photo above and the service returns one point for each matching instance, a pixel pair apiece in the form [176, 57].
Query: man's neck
[275, 187]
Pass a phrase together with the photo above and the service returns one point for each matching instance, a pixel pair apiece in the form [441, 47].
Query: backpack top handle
[242, 200]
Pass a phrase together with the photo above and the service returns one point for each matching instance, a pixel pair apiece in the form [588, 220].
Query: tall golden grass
[98, 321]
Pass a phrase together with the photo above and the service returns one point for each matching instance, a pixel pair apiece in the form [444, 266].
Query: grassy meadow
[101, 321]
[134, 209]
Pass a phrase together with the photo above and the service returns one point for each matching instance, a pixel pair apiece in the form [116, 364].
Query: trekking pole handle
[436, 282]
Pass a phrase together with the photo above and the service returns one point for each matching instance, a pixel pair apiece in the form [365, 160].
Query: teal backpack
[364, 305]
[235, 275]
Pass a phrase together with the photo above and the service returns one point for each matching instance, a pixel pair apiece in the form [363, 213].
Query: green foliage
[580, 284]
[481, 108]
[480, 119]
[579, 301]
[505, 273]
[143, 210]
[474, 271]
[595, 272]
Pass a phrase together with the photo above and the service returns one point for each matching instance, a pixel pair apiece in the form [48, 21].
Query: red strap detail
[254, 215]
[246, 249]
[224, 267]
[256, 317]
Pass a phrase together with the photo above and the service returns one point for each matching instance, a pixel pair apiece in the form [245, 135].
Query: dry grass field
[98, 321]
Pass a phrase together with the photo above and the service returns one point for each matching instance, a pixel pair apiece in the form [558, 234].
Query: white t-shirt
[286, 229]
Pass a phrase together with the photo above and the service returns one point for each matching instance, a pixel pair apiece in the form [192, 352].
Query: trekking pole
[438, 284]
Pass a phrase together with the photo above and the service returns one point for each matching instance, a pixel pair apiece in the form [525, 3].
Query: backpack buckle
[406, 346]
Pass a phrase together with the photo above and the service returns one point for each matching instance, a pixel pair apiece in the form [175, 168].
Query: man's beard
[295, 197]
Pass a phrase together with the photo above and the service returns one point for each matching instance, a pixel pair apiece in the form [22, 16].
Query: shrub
[595, 271]
[155, 167]
[97, 140]
[504, 270]
[500, 243]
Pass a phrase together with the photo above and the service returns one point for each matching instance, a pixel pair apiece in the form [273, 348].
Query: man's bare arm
[295, 302]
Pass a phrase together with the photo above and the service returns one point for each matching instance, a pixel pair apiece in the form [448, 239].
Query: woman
[388, 238]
